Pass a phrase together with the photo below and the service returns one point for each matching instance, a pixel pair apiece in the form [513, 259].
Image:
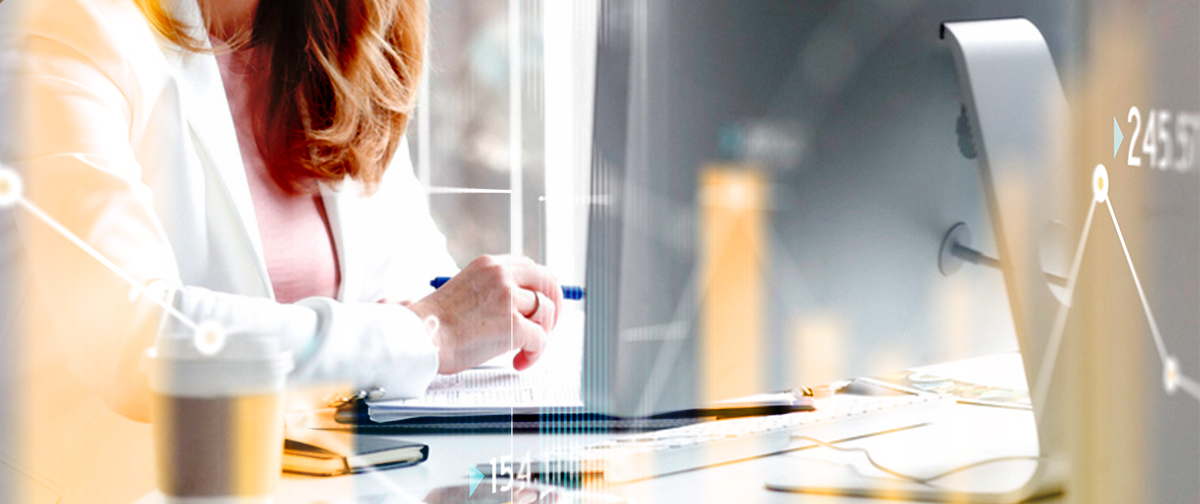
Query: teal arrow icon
[1117, 137]
[476, 477]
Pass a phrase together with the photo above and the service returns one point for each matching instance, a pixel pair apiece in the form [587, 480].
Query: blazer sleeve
[73, 93]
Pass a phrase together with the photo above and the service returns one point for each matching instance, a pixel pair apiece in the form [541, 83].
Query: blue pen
[572, 292]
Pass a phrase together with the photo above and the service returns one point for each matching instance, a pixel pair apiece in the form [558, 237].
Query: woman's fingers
[494, 304]
[525, 302]
[545, 314]
[534, 277]
[536, 307]
[532, 339]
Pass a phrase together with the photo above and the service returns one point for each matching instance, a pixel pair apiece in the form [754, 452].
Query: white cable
[917, 479]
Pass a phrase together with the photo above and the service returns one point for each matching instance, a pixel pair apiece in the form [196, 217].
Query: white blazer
[130, 144]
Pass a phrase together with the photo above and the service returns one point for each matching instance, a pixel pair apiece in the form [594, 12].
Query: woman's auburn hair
[342, 79]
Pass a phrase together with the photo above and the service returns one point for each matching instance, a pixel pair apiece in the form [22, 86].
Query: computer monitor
[836, 140]
[772, 186]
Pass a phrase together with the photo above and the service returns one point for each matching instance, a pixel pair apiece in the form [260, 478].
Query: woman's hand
[495, 304]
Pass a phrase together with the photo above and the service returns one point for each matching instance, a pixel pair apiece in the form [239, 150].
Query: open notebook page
[496, 388]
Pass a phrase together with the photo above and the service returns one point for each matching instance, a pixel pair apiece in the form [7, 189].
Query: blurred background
[506, 106]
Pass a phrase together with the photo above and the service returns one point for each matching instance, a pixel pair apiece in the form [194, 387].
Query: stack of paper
[496, 388]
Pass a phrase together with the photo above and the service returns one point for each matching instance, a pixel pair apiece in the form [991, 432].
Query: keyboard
[650, 454]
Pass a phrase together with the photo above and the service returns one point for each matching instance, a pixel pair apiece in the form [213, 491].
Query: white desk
[966, 434]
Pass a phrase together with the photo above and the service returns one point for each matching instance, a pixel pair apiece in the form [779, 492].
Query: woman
[246, 160]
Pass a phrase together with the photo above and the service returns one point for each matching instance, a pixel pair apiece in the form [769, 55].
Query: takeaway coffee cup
[217, 416]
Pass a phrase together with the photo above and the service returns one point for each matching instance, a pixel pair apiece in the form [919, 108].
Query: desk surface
[965, 434]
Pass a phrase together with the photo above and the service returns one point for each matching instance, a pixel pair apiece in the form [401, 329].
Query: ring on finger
[539, 301]
[537, 305]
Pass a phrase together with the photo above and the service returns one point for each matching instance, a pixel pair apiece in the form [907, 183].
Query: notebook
[496, 398]
[329, 453]
[495, 388]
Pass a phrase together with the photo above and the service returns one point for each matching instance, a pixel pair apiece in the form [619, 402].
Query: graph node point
[10, 188]
[1100, 183]
[209, 339]
[1171, 375]
[432, 324]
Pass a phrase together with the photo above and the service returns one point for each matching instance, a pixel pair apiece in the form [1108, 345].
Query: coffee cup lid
[209, 363]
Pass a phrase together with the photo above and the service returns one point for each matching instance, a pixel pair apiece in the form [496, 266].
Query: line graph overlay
[1189, 385]
[142, 289]
[1046, 371]
[1158, 341]
[464, 190]
[208, 337]
[1173, 379]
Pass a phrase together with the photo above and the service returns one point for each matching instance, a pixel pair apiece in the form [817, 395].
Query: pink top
[297, 241]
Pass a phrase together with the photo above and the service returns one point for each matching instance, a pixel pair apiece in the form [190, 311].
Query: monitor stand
[1016, 104]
